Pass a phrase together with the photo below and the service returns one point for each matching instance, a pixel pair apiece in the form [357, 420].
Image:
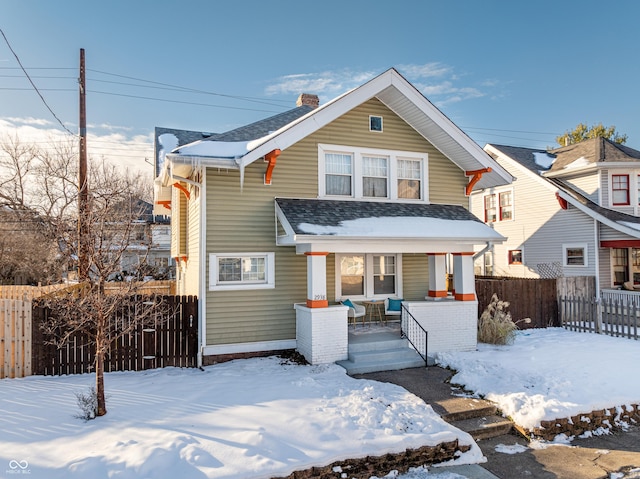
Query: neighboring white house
[572, 211]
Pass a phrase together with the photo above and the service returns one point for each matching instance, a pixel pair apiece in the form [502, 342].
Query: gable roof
[304, 218]
[590, 152]
[391, 89]
[532, 159]
[617, 220]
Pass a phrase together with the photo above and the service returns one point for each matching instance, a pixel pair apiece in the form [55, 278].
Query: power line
[33, 84]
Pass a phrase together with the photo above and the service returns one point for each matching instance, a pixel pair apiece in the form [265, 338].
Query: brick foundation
[366, 467]
[581, 423]
[223, 358]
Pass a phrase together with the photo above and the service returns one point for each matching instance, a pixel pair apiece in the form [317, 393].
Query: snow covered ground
[248, 418]
[261, 418]
[551, 373]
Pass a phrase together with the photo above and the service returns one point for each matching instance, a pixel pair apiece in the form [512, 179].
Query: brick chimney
[309, 100]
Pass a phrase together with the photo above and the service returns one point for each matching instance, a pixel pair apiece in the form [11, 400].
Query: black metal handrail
[409, 329]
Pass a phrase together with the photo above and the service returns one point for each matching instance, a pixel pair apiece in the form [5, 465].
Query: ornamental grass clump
[495, 325]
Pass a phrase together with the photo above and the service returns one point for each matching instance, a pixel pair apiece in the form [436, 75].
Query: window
[339, 171]
[620, 262]
[367, 276]
[375, 123]
[620, 189]
[371, 173]
[489, 208]
[409, 176]
[515, 256]
[488, 263]
[374, 177]
[506, 206]
[575, 255]
[241, 271]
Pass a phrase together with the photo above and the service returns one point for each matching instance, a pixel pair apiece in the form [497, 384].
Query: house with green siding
[364, 198]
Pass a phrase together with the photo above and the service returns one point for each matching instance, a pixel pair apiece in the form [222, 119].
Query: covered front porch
[384, 251]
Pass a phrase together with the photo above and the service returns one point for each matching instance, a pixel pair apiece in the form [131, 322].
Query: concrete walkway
[591, 458]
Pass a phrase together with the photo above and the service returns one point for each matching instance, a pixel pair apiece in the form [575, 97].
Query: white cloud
[437, 81]
[124, 151]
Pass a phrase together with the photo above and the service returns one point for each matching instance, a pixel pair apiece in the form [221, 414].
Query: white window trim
[565, 247]
[368, 278]
[513, 204]
[356, 178]
[269, 283]
[381, 123]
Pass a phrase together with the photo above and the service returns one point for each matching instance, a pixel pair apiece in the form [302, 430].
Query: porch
[427, 327]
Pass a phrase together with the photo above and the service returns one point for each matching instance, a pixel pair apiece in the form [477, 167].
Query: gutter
[483, 250]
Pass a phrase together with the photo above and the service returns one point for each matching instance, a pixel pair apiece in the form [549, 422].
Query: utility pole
[83, 187]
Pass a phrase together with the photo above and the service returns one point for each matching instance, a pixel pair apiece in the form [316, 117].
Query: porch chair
[355, 311]
[393, 307]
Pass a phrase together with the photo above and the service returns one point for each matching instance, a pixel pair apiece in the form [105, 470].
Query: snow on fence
[15, 338]
[608, 315]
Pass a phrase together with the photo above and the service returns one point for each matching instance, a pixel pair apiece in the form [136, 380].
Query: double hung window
[367, 276]
[490, 208]
[355, 172]
[339, 174]
[620, 190]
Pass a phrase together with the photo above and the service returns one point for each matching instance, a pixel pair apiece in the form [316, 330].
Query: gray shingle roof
[611, 215]
[333, 212]
[262, 128]
[525, 156]
[593, 150]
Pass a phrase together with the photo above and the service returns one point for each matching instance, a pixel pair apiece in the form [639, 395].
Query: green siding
[244, 221]
[415, 276]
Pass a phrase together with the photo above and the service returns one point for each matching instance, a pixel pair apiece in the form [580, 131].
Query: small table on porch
[373, 310]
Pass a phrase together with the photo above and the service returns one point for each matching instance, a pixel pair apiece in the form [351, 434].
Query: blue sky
[507, 72]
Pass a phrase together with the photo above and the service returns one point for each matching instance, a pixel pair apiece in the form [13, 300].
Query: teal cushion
[395, 304]
[347, 302]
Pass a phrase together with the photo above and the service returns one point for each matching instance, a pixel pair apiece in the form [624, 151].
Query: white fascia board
[601, 219]
[204, 161]
[570, 171]
[311, 244]
[538, 178]
[322, 116]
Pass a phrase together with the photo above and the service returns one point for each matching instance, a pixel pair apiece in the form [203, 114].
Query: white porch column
[317, 280]
[437, 275]
[464, 281]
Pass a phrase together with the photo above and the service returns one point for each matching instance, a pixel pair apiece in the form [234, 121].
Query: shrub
[495, 325]
[88, 404]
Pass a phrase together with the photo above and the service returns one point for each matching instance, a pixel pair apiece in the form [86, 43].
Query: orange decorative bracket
[475, 177]
[271, 159]
[561, 201]
[183, 189]
[165, 203]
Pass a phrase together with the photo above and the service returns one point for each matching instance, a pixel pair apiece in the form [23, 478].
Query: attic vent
[309, 100]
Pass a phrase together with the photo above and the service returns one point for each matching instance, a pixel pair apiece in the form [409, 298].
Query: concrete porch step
[473, 415]
[484, 427]
[392, 359]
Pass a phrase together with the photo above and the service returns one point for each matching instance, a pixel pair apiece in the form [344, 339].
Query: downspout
[202, 303]
[483, 250]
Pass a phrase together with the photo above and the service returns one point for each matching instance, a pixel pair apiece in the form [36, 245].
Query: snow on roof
[405, 227]
[579, 163]
[543, 159]
[216, 149]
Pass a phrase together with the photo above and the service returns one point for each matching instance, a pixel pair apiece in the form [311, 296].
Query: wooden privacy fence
[15, 338]
[602, 315]
[173, 341]
[528, 298]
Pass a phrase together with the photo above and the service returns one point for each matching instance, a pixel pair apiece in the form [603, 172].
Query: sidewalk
[591, 458]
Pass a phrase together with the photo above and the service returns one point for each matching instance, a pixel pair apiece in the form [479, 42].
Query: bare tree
[38, 187]
[104, 316]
